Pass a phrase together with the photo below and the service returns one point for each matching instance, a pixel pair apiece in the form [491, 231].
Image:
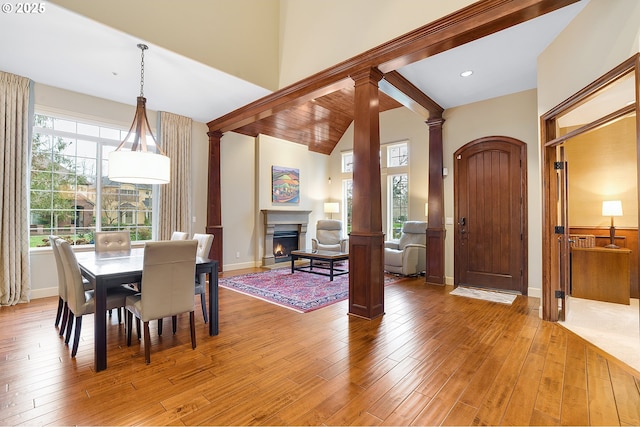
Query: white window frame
[120, 131]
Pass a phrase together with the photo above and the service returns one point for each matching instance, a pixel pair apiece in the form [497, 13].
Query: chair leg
[192, 326]
[138, 328]
[174, 323]
[70, 316]
[65, 316]
[159, 326]
[147, 343]
[119, 315]
[59, 312]
[203, 303]
[76, 336]
[129, 327]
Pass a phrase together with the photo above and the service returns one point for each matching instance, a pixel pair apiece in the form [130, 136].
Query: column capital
[436, 121]
[369, 74]
[215, 134]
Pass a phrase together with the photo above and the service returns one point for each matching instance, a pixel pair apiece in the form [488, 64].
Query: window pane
[347, 200]
[65, 185]
[399, 203]
[397, 155]
[347, 162]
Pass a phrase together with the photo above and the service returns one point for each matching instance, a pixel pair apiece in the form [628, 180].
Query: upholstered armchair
[407, 256]
[329, 237]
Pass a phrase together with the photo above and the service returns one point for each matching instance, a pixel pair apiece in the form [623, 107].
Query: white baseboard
[44, 293]
[240, 266]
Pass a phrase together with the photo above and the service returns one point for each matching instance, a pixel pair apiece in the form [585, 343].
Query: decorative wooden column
[214, 203]
[366, 241]
[435, 227]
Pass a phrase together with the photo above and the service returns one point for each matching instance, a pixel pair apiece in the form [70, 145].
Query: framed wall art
[285, 185]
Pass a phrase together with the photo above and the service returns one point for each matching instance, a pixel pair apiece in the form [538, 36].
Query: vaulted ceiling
[316, 111]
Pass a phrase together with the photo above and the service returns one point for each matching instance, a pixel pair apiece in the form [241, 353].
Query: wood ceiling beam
[402, 90]
[478, 20]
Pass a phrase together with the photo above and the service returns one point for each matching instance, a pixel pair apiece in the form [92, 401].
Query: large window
[397, 161]
[347, 202]
[71, 195]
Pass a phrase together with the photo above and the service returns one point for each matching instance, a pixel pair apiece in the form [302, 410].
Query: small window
[347, 162]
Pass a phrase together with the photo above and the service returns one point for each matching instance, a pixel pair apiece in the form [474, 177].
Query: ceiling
[66, 50]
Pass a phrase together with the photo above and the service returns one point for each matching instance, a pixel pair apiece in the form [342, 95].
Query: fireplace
[284, 227]
[283, 243]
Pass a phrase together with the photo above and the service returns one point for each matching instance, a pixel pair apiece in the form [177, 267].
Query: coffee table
[329, 257]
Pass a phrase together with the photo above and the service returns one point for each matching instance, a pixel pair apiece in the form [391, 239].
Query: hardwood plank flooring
[432, 359]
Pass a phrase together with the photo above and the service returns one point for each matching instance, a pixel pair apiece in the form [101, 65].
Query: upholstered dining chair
[62, 312]
[112, 241]
[109, 241]
[79, 301]
[204, 247]
[179, 235]
[167, 287]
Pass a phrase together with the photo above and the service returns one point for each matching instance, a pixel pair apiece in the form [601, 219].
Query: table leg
[100, 326]
[331, 270]
[213, 300]
[293, 258]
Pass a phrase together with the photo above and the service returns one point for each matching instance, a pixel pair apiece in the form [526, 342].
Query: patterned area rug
[302, 292]
[494, 296]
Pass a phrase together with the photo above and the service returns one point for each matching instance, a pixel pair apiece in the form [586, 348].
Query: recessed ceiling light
[466, 73]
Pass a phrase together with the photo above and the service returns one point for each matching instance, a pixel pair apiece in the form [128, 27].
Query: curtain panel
[175, 197]
[15, 285]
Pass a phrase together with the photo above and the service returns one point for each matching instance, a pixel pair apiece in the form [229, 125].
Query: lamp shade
[139, 167]
[612, 208]
[332, 207]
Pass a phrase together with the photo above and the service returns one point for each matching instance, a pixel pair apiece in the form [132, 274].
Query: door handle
[462, 221]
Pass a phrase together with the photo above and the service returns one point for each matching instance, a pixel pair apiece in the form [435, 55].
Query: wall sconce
[331, 208]
[612, 208]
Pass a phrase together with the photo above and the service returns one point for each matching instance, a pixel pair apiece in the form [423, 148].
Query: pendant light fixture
[138, 165]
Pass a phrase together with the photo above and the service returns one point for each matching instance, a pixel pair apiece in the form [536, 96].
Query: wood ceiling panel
[319, 124]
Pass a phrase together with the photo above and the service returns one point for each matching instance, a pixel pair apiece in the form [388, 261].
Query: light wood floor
[432, 359]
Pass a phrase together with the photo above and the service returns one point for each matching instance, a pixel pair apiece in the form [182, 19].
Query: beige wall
[341, 29]
[513, 116]
[229, 35]
[603, 166]
[603, 35]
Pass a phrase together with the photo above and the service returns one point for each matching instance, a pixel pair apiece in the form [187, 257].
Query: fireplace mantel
[282, 220]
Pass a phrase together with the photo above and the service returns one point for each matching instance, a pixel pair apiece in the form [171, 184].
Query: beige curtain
[175, 197]
[15, 285]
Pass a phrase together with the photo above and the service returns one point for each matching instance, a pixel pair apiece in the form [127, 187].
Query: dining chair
[61, 314]
[204, 246]
[167, 287]
[113, 241]
[80, 301]
[179, 235]
[110, 241]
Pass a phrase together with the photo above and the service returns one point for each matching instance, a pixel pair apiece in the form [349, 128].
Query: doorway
[609, 99]
[490, 195]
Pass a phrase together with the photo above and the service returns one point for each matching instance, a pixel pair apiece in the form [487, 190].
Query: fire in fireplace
[283, 243]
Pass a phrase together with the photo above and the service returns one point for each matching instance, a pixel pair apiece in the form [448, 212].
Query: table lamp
[612, 208]
[331, 208]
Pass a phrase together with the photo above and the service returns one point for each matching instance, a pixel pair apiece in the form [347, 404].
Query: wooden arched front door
[490, 195]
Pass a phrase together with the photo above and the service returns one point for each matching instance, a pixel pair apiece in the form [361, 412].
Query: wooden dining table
[110, 269]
